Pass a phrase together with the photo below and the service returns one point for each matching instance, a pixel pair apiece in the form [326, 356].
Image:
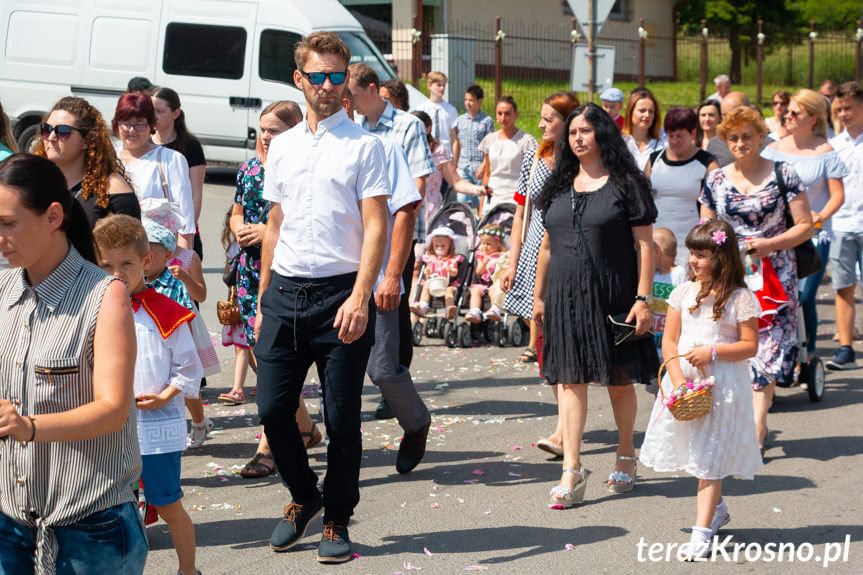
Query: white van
[227, 59]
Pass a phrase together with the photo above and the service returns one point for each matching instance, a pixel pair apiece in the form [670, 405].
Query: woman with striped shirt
[69, 450]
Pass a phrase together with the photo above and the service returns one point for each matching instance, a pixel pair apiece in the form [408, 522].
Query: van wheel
[28, 138]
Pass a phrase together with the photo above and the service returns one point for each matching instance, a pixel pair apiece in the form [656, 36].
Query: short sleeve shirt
[470, 132]
[407, 131]
[194, 152]
[849, 216]
[505, 157]
[320, 178]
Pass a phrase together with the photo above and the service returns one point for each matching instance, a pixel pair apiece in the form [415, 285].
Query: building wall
[546, 22]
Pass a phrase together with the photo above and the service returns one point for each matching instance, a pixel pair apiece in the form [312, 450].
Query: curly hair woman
[75, 137]
[596, 260]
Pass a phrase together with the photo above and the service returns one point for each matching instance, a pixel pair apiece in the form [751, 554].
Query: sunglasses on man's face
[62, 131]
[318, 78]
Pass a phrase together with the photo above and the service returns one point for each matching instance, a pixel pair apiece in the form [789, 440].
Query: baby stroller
[809, 372]
[510, 329]
[459, 218]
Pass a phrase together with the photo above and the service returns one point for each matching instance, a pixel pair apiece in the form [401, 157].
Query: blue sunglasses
[318, 78]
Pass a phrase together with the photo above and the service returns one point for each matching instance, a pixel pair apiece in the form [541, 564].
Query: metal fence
[530, 59]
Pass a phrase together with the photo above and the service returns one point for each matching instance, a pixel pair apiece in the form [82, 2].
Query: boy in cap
[612, 103]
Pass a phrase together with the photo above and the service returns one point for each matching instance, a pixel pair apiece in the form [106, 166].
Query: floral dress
[256, 210]
[762, 215]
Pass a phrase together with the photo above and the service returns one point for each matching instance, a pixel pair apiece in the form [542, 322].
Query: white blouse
[642, 156]
[144, 173]
[505, 157]
[162, 362]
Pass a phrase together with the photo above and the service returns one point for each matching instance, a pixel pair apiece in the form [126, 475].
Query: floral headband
[495, 233]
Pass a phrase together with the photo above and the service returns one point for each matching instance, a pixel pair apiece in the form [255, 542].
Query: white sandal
[564, 497]
[626, 483]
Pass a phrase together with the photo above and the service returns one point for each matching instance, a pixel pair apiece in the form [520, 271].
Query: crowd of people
[635, 239]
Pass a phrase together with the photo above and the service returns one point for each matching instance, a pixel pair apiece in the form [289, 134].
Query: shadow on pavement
[524, 541]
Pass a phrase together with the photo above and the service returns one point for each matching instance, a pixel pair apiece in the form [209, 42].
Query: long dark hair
[40, 183]
[184, 136]
[699, 134]
[718, 237]
[427, 122]
[615, 157]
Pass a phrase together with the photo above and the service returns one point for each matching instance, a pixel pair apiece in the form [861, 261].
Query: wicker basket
[691, 405]
[229, 311]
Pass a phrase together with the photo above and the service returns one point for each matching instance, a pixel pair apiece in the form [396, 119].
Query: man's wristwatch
[648, 299]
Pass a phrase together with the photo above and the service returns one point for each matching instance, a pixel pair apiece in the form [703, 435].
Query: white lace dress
[724, 441]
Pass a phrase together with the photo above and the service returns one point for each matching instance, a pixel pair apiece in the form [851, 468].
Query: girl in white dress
[713, 320]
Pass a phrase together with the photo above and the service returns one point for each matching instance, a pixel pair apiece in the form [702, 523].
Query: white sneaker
[720, 519]
[199, 433]
[698, 547]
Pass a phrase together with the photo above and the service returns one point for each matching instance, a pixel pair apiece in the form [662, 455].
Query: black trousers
[297, 330]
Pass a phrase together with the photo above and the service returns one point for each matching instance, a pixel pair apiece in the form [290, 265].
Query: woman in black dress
[596, 259]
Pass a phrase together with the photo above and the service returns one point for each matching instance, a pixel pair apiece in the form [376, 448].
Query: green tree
[832, 14]
[737, 20]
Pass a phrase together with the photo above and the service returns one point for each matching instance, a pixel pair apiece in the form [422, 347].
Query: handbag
[230, 276]
[621, 331]
[809, 261]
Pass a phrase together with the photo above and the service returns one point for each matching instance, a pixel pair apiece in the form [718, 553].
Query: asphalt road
[479, 500]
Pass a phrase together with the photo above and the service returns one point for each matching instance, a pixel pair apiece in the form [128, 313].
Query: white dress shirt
[162, 362]
[849, 216]
[319, 179]
[144, 173]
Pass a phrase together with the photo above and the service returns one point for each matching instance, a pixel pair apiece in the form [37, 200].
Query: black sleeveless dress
[577, 343]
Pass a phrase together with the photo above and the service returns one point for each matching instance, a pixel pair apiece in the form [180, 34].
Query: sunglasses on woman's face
[778, 103]
[62, 131]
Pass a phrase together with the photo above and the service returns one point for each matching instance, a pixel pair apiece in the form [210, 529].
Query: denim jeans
[472, 201]
[296, 332]
[108, 541]
[808, 291]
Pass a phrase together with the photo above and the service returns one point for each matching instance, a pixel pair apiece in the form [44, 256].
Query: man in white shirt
[723, 88]
[320, 258]
[846, 250]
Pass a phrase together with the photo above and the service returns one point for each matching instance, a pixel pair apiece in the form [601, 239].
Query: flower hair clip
[719, 237]
[703, 221]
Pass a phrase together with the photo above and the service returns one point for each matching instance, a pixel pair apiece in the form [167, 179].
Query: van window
[204, 50]
[277, 56]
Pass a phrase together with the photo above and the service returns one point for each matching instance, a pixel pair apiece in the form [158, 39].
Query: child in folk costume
[713, 321]
[167, 369]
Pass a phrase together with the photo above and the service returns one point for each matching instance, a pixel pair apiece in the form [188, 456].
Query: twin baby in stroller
[460, 267]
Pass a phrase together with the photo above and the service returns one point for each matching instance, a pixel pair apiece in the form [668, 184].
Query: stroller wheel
[431, 327]
[417, 332]
[465, 337]
[490, 331]
[812, 374]
[441, 329]
[449, 334]
[516, 333]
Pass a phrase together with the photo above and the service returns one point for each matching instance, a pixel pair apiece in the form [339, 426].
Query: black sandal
[255, 469]
[528, 356]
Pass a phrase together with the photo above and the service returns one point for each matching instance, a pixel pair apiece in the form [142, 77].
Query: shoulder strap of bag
[166, 191]
[525, 221]
[783, 190]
